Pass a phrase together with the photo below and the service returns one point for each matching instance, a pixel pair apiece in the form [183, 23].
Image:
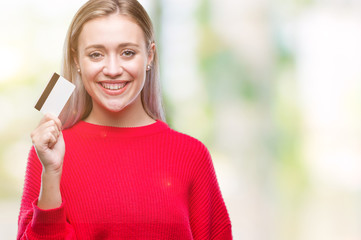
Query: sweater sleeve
[209, 218]
[35, 223]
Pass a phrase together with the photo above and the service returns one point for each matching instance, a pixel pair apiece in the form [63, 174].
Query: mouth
[113, 86]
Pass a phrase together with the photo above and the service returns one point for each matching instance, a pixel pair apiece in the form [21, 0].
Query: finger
[45, 134]
[49, 126]
[52, 125]
[50, 117]
[45, 119]
[58, 123]
[53, 129]
[52, 140]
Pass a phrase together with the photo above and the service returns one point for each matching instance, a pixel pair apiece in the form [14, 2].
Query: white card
[55, 95]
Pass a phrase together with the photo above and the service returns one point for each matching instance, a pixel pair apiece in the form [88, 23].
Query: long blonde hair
[80, 104]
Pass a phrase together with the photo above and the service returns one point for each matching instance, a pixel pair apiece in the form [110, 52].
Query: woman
[111, 168]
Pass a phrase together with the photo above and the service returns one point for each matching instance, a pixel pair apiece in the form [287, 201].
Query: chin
[115, 109]
[117, 105]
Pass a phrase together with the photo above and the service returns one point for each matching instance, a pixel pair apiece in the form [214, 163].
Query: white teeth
[113, 86]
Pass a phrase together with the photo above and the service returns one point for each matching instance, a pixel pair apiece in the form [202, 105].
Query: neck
[132, 115]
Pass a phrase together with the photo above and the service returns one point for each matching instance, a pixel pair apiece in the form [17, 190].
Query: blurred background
[271, 87]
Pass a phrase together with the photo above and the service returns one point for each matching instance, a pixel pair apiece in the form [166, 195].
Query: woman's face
[112, 57]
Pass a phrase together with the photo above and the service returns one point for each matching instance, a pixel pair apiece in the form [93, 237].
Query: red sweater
[146, 182]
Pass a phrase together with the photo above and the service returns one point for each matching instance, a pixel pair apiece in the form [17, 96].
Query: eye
[95, 55]
[128, 53]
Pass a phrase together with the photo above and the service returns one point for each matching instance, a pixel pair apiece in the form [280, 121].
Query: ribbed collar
[103, 131]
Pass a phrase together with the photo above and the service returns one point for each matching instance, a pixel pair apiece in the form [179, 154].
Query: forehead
[111, 29]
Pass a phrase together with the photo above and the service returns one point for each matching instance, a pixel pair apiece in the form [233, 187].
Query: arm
[50, 148]
[49, 196]
[42, 212]
[208, 214]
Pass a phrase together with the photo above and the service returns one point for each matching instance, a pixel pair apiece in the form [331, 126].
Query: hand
[49, 144]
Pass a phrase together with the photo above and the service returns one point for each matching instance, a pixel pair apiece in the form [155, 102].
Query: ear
[151, 52]
[75, 57]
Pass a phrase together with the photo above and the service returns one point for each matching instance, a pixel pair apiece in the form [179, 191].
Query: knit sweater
[147, 182]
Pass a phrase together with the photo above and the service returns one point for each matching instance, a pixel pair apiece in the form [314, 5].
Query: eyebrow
[126, 44]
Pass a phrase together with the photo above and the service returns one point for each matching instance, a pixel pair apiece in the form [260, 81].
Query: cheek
[136, 68]
[89, 70]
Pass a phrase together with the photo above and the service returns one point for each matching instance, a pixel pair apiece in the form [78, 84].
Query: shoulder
[188, 143]
[185, 137]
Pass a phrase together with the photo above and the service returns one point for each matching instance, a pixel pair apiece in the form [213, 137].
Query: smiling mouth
[113, 86]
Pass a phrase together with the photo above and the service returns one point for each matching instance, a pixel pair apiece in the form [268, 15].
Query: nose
[113, 67]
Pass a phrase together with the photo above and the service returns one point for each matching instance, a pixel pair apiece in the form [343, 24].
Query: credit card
[55, 95]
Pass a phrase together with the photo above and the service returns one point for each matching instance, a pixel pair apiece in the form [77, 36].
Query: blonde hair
[80, 104]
